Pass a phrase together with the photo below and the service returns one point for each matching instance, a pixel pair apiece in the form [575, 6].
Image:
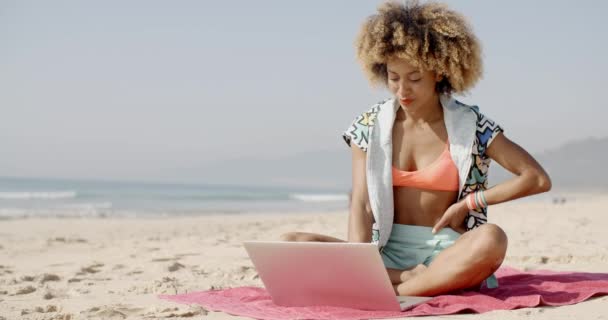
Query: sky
[148, 90]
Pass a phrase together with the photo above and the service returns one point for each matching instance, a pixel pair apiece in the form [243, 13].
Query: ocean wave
[49, 195]
[8, 213]
[319, 197]
[87, 206]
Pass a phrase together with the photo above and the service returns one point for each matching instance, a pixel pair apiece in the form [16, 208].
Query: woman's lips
[406, 101]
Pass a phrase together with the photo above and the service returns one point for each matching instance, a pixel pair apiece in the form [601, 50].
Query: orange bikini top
[441, 175]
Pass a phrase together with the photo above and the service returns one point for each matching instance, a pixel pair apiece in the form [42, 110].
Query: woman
[420, 159]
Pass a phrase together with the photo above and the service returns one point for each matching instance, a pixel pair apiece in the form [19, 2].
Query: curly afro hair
[429, 35]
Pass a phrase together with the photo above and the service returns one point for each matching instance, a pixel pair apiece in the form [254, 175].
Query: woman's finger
[440, 224]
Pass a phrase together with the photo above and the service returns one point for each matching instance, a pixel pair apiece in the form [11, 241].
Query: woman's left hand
[453, 217]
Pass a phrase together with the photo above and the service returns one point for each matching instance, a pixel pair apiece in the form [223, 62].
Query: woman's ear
[438, 77]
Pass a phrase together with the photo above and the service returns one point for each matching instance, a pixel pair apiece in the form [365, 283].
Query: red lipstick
[406, 101]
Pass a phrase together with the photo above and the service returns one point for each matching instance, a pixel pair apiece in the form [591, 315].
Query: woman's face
[413, 87]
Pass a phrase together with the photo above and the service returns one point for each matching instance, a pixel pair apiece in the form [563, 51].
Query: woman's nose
[403, 91]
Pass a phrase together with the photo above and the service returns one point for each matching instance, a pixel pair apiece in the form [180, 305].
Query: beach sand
[113, 268]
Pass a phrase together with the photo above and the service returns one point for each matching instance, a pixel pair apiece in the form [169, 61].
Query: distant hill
[576, 165]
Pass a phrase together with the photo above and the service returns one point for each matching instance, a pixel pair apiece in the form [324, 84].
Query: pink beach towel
[516, 289]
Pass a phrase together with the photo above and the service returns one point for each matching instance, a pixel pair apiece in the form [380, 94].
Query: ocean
[30, 197]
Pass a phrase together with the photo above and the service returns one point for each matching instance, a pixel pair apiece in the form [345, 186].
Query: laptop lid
[343, 274]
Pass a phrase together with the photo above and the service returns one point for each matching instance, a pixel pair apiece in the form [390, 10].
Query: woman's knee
[307, 236]
[490, 243]
[290, 236]
[297, 236]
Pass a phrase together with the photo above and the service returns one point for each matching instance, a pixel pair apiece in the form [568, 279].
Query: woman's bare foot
[408, 274]
[404, 275]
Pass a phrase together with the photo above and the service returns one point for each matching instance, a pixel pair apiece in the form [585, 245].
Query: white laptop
[342, 274]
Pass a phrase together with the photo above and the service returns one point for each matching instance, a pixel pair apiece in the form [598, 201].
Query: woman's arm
[360, 218]
[530, 177]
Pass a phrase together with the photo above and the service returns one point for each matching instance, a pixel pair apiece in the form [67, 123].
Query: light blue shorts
[411, 245]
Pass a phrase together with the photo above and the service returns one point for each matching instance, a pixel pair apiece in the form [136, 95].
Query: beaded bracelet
[476, 200]
[470, 201]
[482, 196]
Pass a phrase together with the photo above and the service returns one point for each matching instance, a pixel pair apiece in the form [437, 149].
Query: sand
[113, 268]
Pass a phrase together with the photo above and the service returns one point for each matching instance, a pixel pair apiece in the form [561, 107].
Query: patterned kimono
[470, 134]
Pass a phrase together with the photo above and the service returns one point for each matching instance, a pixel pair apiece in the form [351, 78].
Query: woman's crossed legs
[473, 257]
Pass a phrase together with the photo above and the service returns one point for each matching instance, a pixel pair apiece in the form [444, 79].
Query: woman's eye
[415, 80]
[394, 79]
